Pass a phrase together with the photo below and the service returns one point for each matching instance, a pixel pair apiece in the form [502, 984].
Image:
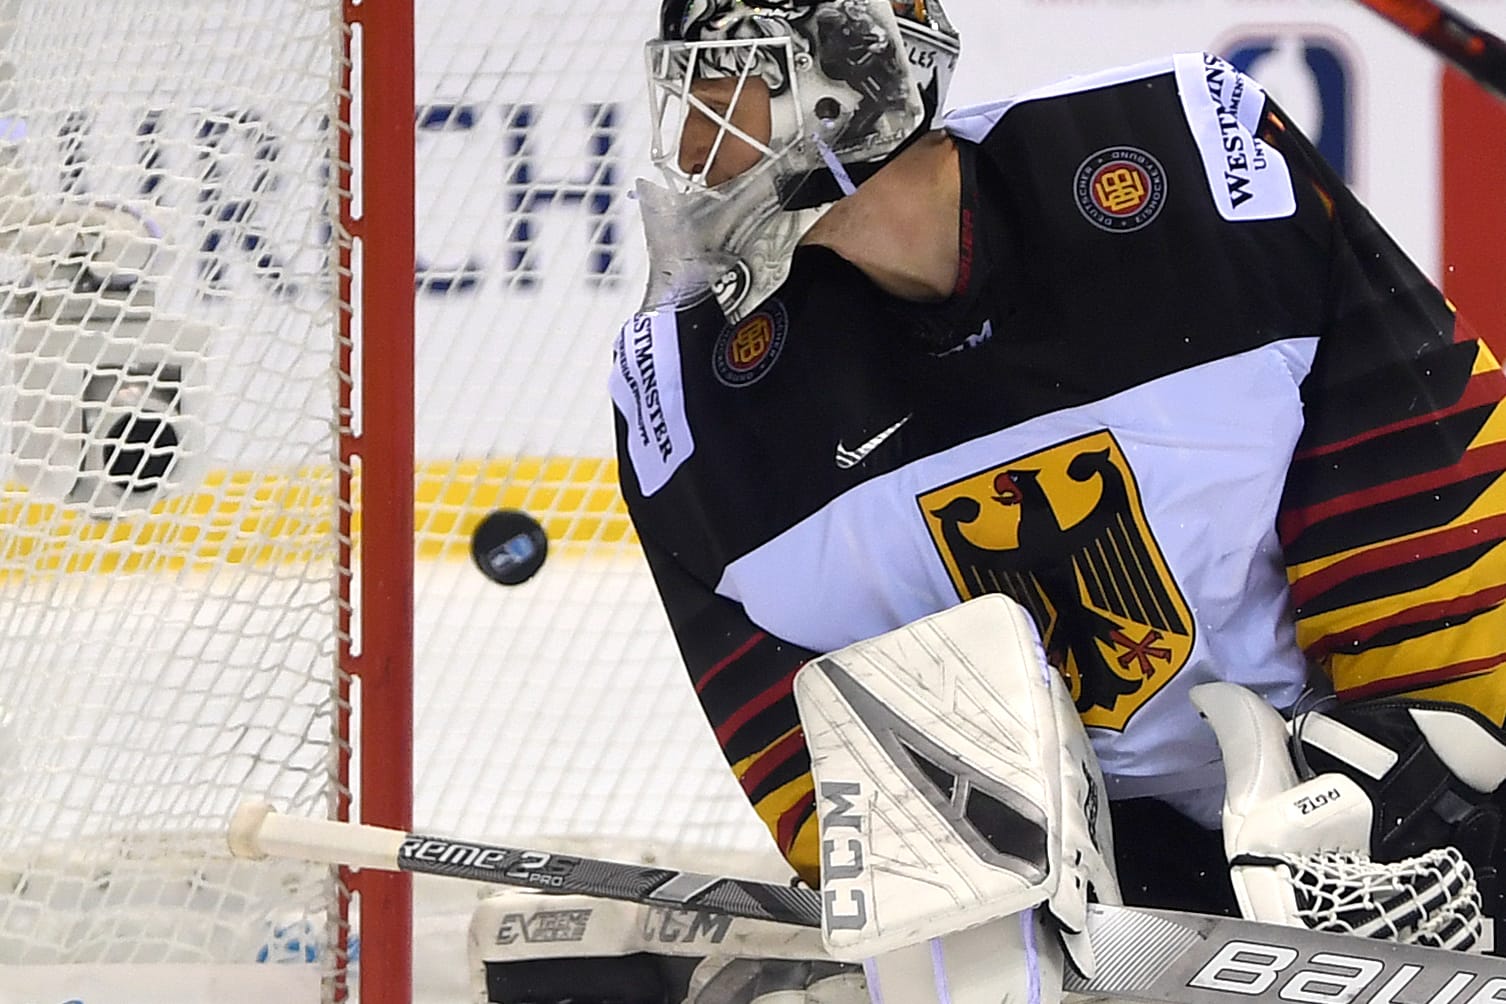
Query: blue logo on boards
[595, 189]
[298, 941]
[1311, 77]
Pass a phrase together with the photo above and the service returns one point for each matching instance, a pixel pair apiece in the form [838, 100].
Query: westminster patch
[647, 390]
[1248, 179]
[1063, 533]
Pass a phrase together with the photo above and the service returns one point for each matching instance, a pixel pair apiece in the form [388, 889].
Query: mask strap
[838, 171]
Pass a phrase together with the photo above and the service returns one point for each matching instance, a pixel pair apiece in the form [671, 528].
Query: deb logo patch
[1120, 189]
[1247, 178]
[746, 351]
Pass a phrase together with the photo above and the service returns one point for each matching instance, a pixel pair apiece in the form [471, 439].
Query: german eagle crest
[1063, 533]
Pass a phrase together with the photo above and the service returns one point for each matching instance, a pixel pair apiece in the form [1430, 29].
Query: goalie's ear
[954, 782]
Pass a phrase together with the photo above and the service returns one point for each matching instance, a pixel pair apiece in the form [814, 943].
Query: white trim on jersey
[974, 121]
[1248, 179]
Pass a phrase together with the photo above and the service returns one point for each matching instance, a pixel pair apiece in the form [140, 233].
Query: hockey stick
[1143, 955]
[1453, 36]
[257, 832]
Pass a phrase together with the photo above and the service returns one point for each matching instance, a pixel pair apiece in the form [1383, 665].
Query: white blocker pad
[954, 784]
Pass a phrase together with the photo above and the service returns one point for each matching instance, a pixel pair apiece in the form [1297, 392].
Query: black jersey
[1189, 405]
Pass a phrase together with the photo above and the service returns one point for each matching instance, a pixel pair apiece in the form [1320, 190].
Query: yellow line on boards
[234, 517]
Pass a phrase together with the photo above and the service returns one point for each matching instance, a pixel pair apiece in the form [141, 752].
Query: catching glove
[1302, 852]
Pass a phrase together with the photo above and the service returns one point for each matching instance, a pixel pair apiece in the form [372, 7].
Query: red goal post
[383, 236]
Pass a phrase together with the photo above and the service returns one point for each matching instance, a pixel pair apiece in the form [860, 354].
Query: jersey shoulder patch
[1246, 177]
[648, 390]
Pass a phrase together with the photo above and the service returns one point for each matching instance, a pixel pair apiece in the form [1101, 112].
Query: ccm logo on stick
[1252, 969]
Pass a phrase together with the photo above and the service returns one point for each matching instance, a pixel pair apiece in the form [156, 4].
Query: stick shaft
[256, 831]
[1453, 36]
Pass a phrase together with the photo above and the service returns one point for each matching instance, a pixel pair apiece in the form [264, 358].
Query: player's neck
[900, 226]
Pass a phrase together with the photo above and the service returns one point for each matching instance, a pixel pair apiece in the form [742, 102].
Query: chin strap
[838, 172]
[822, 187]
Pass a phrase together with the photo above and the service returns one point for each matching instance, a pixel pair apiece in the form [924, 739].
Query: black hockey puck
[509, 546]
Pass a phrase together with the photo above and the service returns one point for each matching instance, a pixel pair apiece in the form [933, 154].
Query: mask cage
[673, 69]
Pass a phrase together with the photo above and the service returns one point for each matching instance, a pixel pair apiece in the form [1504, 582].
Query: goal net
[174, 577]
[210, 499]
[185, 443]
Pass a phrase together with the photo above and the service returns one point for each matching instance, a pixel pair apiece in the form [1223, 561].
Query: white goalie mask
[767, 111]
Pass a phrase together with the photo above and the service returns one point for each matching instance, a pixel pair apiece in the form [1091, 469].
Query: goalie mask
[767, 111]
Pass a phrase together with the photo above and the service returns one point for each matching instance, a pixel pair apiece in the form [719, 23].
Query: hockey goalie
[1127, 351]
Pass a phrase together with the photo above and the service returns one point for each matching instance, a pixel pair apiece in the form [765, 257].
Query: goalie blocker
[961, 842]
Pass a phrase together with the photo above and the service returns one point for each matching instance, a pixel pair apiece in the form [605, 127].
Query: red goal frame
[378, 339]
